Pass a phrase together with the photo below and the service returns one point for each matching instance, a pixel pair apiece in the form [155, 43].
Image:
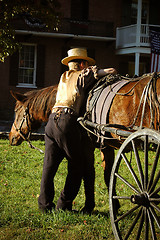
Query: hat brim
[66, 60]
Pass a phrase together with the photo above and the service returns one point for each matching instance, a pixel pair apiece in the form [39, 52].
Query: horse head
[21, 127]
[32, 108]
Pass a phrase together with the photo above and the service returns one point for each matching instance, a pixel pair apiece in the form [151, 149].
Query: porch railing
[127, 36]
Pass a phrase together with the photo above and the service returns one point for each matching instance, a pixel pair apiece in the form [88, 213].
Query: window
[27, 65]
[145, 11]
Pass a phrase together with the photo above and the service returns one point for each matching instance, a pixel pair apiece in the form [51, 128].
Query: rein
[26, 118]
[149, 94]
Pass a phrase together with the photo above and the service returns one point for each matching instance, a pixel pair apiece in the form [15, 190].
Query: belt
[63, 110]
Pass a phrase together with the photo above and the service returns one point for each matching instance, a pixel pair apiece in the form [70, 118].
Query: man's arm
[103, 72]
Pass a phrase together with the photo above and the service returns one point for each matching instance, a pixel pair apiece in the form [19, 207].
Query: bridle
[26, 118]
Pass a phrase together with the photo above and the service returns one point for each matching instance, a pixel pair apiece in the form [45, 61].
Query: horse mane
[40, 102]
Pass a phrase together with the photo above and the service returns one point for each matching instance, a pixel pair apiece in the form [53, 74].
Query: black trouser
[65, 138]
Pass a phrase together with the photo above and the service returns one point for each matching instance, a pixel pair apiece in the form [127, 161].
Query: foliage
[43, 11]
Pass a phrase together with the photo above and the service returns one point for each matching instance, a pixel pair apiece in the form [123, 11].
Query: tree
[45, 12]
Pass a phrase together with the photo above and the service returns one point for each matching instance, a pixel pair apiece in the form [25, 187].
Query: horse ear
[18, 96]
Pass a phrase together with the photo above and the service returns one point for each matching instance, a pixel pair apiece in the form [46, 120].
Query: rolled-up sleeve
[87, 77]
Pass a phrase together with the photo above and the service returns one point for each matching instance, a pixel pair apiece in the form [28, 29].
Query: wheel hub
[141, 199]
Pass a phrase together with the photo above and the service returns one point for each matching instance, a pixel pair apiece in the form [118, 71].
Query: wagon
[134, 178]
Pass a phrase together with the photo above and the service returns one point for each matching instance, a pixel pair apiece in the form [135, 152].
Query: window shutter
[40, 66]
[13, 78]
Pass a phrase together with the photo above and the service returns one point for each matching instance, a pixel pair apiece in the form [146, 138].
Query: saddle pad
[100, 107]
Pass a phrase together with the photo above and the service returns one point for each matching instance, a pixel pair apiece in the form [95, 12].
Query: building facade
[132, 37]
[111, 31]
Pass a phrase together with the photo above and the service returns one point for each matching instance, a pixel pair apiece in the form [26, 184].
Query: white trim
[62, 35]
[133, 50]
[35, 65]
[24, 85]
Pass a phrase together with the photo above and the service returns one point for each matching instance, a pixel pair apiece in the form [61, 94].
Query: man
[64, 136]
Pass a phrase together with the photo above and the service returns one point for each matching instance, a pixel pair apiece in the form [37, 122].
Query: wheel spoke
[146, 163]
[155, 182]
[140, 226]
[155, 216]
[126, 214]
[133, 224]
[155, 206]
[132, 171]
[122, 197]
[154, 200]
[146, 223]
[138, 163]
[151, 222]
[154, 167]
[155, 192]
[127, 183]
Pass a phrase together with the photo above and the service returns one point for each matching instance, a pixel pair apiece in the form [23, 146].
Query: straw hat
[77, 53]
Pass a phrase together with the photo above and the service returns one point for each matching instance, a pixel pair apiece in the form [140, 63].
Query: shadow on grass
[105, 214]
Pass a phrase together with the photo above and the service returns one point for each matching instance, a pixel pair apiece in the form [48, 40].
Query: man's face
[83, 65]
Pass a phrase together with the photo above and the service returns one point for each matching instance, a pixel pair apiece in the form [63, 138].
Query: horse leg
[89, 174]
[107, 155]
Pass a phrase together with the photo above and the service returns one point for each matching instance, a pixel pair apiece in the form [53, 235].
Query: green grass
[20, 219]
[20, 176]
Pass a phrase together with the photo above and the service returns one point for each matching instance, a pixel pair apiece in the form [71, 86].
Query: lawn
[20, 176]
[20, 219]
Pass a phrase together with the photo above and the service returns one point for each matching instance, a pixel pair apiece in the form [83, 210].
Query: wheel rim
[135, 178]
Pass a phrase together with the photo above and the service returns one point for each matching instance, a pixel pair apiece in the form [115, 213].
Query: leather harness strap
[65, 109]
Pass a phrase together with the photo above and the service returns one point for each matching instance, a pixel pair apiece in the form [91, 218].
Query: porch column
[137, 57]
[139, 15]
[138, 35]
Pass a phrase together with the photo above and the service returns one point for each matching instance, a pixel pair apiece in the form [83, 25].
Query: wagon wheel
[136, 180]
